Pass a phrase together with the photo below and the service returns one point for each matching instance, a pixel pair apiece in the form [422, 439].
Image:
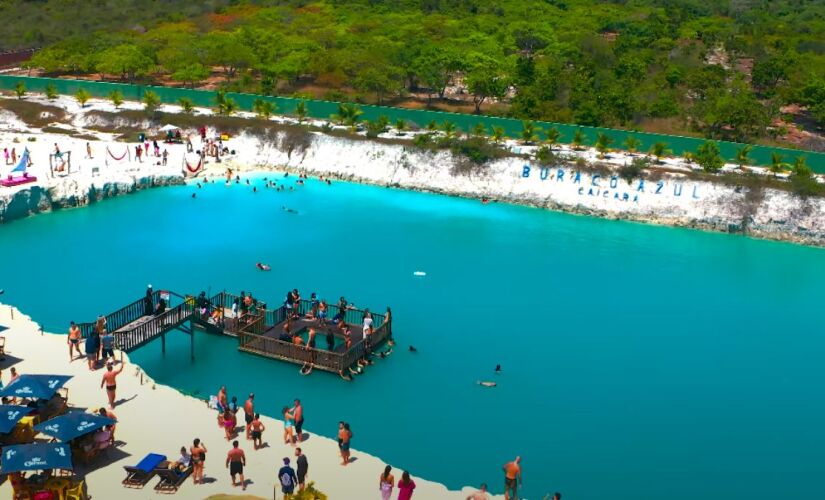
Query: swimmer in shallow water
[194, 195]
[498, 368]
[413, 349]
[289, 210]
[486, 384]
[263, 267]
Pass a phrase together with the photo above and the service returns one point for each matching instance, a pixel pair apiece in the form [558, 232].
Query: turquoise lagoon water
[638, 362]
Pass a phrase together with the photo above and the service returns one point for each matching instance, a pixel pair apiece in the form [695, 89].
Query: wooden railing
[274, 348]
[121, 317]
[133, 338]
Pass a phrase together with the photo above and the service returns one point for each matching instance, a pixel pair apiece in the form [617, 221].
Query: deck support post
[163, 343]
[192, 340]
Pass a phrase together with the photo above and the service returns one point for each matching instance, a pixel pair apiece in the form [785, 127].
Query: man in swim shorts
[235, 461]
[74, 341]
[298, 413]
[109, 379]
[249, 414]
[481, 494]
[512, 478]
[257, 431]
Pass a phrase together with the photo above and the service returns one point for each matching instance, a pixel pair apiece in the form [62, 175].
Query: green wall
[760, 155]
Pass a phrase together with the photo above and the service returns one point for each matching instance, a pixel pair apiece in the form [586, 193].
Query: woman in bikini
[198, 452]
[229, 423]
[289, 432]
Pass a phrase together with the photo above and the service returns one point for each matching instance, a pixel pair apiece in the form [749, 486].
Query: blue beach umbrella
[36, 456]
[10, 415]
[71, 425]
[35, 386]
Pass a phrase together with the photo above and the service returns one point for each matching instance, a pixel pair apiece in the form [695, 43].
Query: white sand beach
[671, 198]
[153, 418]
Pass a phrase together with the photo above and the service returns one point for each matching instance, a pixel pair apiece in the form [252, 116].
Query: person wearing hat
[287, 478]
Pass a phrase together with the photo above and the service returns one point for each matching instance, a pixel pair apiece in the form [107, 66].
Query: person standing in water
[110, 380]
[74, 341]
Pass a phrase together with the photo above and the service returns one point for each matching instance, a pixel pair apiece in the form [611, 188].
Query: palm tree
[301, 110]
[82, 97]
[631, 143]
[659, 150]
[432, 126]
[449, 128]
[264, 109]
[400, 125]
[309, 493]
[186, 105]
[498, 134]
[348, 114]
[579, 139]
[20, 89]
[777, 165]
[51, 91]
[603, 143]
[529, 132]
[151, 102]
[801, 168]
[551, 136]
[742, 155]
[228, 106]
[116, 97]
[480, 129]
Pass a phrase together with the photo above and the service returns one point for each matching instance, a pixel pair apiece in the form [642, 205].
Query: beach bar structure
[258, 331]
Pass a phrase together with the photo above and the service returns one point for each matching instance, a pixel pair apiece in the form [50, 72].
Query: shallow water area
[637, 361]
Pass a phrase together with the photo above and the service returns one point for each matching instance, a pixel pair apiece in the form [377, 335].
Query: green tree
[400, 126]
[603, 142]
[225, 105]
[116, 97]
[660, 150]
[51, 92]
[777, 165]
[432, 126]
[552, 136]
[435, 67]
[485, 80]
[348, 114]
[186, 105]
[263, 108]
[377, 80]
[151, 102]
[802, 179]
[82, 96]
[742, 155]
[228, 50]
[529, 132]
[579, 139]
[546, 156]
[448, 128]
[479, 129]
[708, 157]
[631, 143]
[126, 61]
[190, 74]
[309, 493]
[498, 134]
[20, 89]
[301, 110]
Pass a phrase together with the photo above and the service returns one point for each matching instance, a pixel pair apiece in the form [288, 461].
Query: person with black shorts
[302, 467]
[249, 414]
[235, 461]
[298, 413]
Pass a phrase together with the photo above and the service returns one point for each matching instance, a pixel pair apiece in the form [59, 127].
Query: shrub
[634, 170]
[475, 149]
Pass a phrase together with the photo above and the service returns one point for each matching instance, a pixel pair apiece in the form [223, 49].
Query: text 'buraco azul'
[596, 184]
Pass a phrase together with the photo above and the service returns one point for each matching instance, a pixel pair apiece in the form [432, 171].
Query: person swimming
[486, 384]
[263, 267]
[498, 368]
[194, 195]
[289, 210]
[413, 349]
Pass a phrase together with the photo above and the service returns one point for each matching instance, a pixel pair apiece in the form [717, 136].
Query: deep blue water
[639, 362]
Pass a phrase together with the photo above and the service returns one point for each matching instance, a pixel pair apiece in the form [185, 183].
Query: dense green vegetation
[720, 69]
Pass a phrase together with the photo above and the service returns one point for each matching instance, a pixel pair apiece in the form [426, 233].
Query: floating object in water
[419, 273]
[263, 267]
[289, 210]
[486, 384]
[413, 349]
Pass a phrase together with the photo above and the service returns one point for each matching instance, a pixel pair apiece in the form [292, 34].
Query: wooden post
[192, 339]
[163, 342]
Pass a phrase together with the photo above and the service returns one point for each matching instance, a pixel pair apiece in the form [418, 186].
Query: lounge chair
[170, 480]
[140, 474]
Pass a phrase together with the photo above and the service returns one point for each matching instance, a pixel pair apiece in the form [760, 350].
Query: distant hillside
[721, 69]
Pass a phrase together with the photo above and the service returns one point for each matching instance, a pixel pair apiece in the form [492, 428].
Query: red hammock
[121, 156]
[197, 167]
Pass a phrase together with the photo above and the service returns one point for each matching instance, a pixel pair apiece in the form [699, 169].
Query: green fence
[760, 155]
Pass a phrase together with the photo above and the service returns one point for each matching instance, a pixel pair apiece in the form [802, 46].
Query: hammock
[196, 168]
[121, 156]
[23, 163]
